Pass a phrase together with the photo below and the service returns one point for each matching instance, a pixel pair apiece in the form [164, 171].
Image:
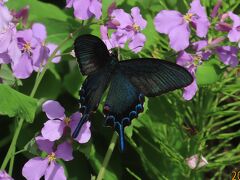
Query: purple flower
[54, 128]
[4, 176]
[27, 43]
[127, 28]
[22, 15]
[8, 45]
[190, 62]
[34, 51]
[5, 17]
[173, 23]
[234, 33]
[216, 8]
[37, 167]
[228, 55]
[85, 9]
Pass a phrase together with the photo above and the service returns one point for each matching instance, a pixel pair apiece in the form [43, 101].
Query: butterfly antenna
[120, 130]
[79, 126]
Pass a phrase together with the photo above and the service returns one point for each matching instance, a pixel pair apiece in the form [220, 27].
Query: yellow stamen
[197, 60]
[136, 27]
[27, 47]
[51, 157]
[188, 17]
[67, 120]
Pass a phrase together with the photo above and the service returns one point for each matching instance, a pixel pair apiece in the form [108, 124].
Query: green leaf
[15, 104]
[7, 76]
[207, 73]
[32, 147]
[72, 81]
[38, 10]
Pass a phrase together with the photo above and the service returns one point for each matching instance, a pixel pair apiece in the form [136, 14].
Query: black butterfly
[129, 82]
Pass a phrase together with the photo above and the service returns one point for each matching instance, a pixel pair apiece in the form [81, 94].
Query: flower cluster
[25, 50]
[56, 142]
[127, 28]
[174, 23]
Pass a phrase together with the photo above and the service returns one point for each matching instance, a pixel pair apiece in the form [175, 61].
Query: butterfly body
[128, 82]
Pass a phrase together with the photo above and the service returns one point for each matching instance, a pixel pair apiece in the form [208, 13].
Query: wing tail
[80, 124]
[120, 130]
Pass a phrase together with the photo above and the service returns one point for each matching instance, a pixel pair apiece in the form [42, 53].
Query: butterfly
[128, 81]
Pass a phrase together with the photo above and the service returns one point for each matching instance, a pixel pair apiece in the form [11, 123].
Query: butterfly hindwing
[153, 77]
[123, 103]
[91, 53]
[91, 93]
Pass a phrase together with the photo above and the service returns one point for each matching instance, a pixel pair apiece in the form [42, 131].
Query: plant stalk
[107, 156]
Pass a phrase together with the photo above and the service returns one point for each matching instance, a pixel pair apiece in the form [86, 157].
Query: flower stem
[13, 144]
[107, 156]
[11, 163]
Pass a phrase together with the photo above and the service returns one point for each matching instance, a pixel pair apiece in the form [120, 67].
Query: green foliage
[15, 104]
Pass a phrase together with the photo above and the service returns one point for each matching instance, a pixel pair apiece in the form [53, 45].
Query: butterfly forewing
[154, 77]
[92, 54]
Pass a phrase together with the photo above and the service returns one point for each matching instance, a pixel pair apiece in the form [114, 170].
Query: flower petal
[184, 59]
[234, 35]
[121, 18]
[198, 9]
[4, 175]
[69, 3]
[178, 42]
[35, 168]
[5, 39]
[166, 20]
[75, 118]
[14, 52]
[44, 144]
[55, 172]
[25, 34]
[23, 68]
[85, 133]
[53, 110]
[199, 18]
[81, 10]
[96, 8]
[137, 42]
[53, 130]
[64, 151]
[105, 38]
[202, 26]
[4, 58]
[5, 17]
[192, 161]
[39, 31]
[137, 18]
[52, 47]
[190, 91]
[235, 18]
[200, 45]
[40, 56]
[228, 55]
